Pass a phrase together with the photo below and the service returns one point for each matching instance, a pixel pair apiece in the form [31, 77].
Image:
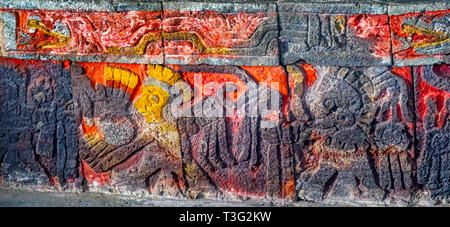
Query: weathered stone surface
[432, 86]
[334, 34]
[281, 100]
[339, 133]
[85, 5]
[38, 142]
[398, 7]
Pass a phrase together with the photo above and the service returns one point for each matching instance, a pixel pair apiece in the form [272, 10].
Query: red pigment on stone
[131, 161]
[399, 113]
[91, 176]
[442, 70]
[233, 183]
[236, 120]
[93, 32]
[374, 28]
[66, 64]
[275, 77]
[54, 181]
[21, 64]
[311, 74]
[207, 79]
[88, 129]
[96, 71]
[426, 91]
[404, 72]
[269, 75]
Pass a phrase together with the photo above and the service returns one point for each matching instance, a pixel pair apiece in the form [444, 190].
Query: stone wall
[277, 100]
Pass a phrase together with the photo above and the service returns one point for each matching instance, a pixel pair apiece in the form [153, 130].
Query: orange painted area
[88, 129]
[96, 73]
[206, 88]
[66, 64]
[289, 189]
[269, 75]
[274, 77]
[311, 74]
[91, 176]
[374, 28]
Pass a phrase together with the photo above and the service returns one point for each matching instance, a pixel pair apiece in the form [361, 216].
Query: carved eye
[329, 103]
[155, 99]
[33, 20]
[152, 102]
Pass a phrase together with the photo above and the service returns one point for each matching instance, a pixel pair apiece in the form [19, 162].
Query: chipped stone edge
[130, 59]
[238, 60]
[341, 8]
[404, 8]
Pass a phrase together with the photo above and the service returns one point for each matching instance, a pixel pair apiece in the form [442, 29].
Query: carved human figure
[356, 133]
[435, 163]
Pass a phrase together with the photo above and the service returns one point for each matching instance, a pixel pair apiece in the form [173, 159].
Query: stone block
[220, 33]
[347, 34]
[87, 35]
[420, 33]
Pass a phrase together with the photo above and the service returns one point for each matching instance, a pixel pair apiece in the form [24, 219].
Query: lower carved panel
[290, 132]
